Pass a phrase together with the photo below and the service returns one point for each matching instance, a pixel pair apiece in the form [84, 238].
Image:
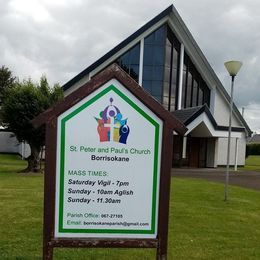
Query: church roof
[187, 115]
[184, 35]
[184, 115]
[121, 45]
[255, 139]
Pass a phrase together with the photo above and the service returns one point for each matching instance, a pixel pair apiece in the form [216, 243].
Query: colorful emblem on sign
[111, 125]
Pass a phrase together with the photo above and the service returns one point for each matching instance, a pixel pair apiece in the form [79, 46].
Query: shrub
[252, 149]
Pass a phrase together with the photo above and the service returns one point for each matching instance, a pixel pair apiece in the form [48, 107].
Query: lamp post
[232, 67]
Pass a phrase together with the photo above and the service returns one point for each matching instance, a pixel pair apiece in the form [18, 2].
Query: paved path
[247, 179]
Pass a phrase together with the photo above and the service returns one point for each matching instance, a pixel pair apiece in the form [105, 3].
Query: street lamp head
[233, 67]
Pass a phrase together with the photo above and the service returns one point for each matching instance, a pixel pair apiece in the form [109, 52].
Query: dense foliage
[23, 102]
[6, 79]
[252, 149]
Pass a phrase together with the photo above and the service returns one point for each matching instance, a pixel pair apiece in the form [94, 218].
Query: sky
[61, 38]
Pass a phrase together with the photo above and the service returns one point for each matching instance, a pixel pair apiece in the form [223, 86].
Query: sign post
[108, 162]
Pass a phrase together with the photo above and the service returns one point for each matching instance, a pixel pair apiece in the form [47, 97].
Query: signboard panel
[108, 167]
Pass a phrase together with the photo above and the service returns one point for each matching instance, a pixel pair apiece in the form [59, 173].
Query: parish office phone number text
[111, 215]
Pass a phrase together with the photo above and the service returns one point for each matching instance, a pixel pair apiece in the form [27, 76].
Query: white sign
[108, 167]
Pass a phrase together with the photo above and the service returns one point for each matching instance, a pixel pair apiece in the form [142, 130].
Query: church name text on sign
[108, 167]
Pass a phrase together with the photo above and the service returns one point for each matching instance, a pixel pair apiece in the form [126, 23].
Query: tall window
[160, 69]
[153, 62]
[195, 91]
[172, 49]
[129, 62]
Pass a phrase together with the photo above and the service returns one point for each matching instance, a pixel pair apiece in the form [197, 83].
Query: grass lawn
[202, 225]
[252, 163]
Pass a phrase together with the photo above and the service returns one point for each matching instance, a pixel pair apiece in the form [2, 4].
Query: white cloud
[251, 115]
[61, 38]
[31, 8]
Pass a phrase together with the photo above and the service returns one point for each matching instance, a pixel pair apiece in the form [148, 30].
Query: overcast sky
[60, 38]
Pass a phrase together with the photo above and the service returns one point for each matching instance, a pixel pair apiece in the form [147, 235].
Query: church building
[163, 57]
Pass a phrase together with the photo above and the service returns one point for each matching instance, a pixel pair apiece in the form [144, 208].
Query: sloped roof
[121, 45]
[184, 115]
[173, 15]
[254, 139]
[187, 115]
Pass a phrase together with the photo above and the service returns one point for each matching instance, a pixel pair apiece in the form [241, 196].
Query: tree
[21, 104]
[7, 80]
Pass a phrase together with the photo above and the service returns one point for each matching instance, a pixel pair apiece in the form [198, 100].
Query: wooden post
[164, 199]
[49, 189]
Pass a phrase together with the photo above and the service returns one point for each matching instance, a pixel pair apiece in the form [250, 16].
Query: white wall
[210, 162]
[24, 150]
[242, 150]
[8, 144]
[221, 115]
[222, 151]
[222, 111]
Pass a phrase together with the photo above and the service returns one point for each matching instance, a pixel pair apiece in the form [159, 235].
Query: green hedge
[252, 149]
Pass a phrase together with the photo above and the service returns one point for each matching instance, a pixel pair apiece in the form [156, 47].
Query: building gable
[197, 86]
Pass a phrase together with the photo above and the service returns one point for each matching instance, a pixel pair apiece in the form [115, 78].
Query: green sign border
[62, 163]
